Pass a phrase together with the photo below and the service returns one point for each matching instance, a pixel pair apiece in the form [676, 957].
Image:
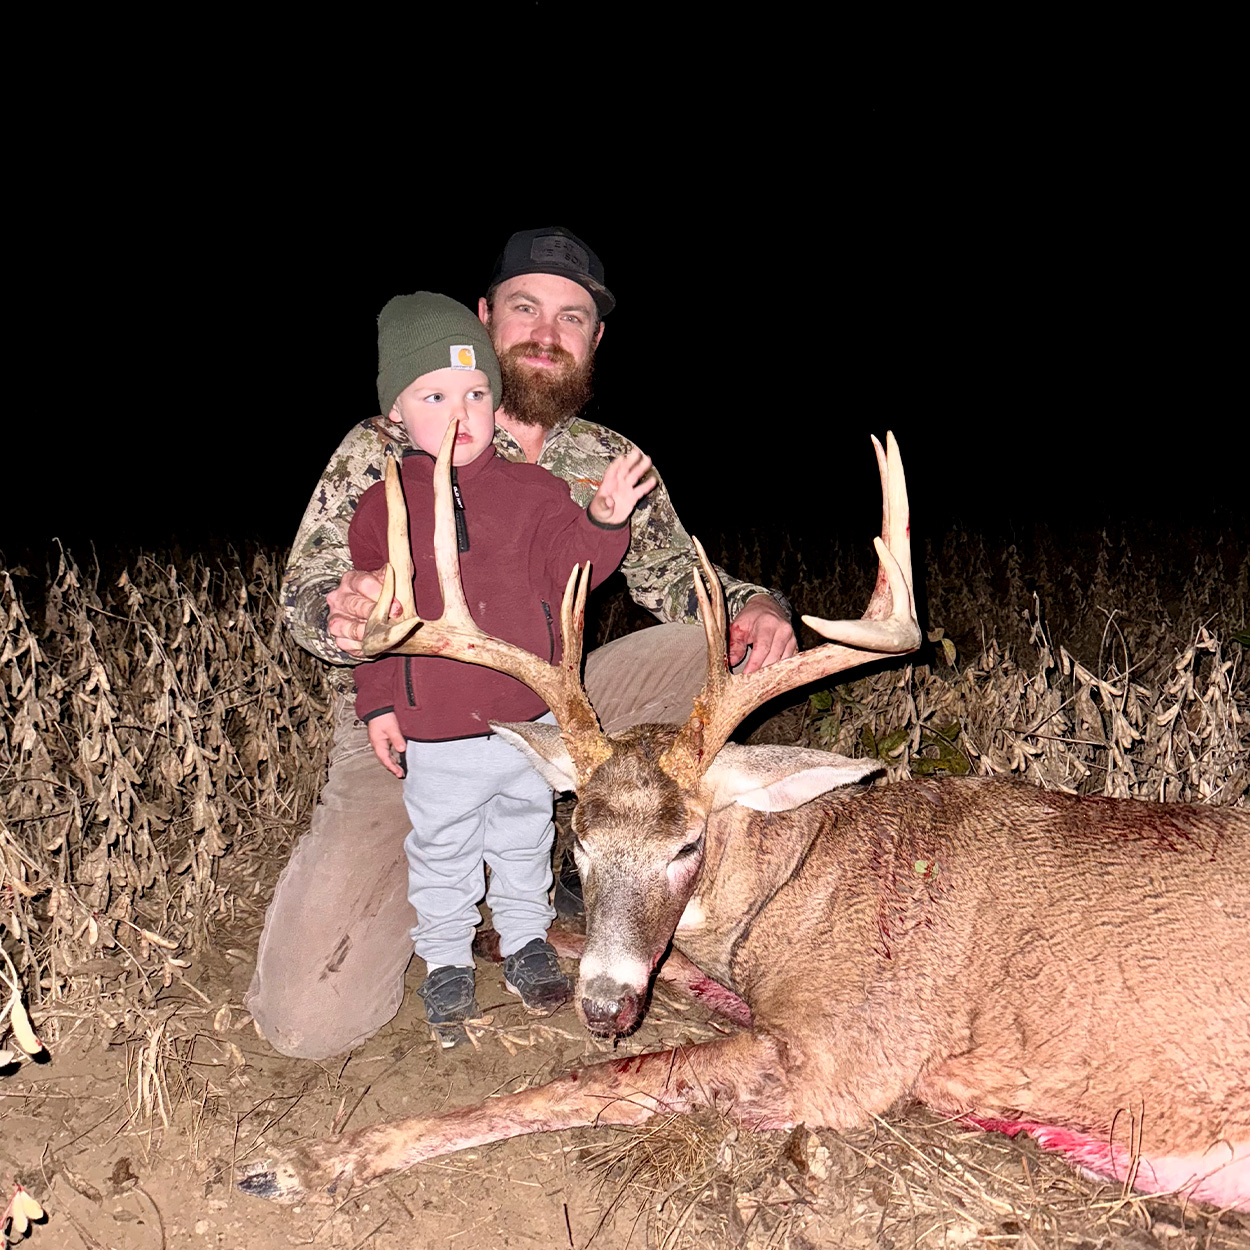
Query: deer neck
[749, 856]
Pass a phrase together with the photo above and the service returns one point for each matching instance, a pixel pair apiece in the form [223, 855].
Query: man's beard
[544, 397]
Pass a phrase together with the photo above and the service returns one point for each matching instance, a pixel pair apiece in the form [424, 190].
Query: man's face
[545, 330]
[543, 310]
[434, 400]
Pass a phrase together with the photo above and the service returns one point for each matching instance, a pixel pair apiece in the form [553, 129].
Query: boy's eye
[478, 396]
[436, 398]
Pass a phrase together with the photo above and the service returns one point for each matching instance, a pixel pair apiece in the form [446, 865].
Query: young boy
[471, 797]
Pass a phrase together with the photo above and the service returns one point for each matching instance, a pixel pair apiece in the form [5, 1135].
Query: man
[331, 961]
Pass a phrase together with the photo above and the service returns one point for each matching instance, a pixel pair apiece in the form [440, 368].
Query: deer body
[996, 952]
[1075, 968]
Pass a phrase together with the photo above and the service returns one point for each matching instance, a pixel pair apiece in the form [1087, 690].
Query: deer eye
[691, 848]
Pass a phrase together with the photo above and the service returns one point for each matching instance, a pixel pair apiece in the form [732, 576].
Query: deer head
[645, 795]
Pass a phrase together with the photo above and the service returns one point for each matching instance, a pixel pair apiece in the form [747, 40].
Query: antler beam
[888, 627]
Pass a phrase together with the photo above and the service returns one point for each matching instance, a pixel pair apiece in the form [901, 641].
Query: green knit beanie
[423, 332]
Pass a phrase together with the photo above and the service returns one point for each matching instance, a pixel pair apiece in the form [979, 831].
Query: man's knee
[335, 943]
[314, 1021]
[648, 677]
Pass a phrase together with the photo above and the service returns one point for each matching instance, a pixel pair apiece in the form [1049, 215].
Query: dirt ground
[109, 1179]
[66, 1133]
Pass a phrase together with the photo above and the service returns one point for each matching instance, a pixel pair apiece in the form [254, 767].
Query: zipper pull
[462, 529]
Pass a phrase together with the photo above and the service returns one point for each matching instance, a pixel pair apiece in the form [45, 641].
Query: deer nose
[611, 1015]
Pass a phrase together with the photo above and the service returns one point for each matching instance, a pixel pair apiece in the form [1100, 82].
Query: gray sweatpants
[475, 800]
[337, 936]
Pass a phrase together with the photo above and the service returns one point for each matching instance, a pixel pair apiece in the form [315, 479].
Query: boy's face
[427, 406]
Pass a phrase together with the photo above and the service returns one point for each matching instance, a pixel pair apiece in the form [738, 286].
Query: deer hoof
[267, 1180]
[279, 1181]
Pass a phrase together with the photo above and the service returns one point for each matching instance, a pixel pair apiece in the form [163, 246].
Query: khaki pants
[336, 941]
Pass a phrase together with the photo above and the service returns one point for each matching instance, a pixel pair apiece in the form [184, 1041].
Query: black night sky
[1032, 300]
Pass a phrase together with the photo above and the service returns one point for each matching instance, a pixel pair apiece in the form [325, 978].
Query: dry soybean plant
[148, 728]
[1049, 719]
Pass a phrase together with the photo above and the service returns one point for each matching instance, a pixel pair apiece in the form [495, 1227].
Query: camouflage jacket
[657, 567]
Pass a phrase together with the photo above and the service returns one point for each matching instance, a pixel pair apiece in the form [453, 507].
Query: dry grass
[915, 1180]
[148, 730]
[1048, 718]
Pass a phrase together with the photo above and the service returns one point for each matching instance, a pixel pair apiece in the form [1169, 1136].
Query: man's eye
[573, 319]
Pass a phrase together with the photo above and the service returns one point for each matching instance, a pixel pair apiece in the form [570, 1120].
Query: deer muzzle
[608, 1008]
[611, 992]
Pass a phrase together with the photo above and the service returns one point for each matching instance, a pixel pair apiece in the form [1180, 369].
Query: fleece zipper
[462, 528]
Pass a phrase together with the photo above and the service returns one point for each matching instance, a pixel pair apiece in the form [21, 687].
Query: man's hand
[350, 606]
[623, 485]
[384, 737]
[765, 628]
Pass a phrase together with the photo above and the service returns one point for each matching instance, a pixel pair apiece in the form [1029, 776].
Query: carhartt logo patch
[462, 356]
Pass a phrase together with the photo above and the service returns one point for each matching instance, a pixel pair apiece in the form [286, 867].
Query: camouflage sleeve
[320, 556]
[659, 566]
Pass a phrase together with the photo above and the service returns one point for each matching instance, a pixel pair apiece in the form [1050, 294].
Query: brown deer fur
[1076, 967]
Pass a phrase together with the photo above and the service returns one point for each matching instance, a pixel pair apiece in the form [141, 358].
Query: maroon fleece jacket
[520, 535]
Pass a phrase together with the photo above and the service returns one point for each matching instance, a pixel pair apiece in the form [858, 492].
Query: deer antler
[888, 627]
[455, 636]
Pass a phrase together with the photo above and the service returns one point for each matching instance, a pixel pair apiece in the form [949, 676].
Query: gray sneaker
[448, 996]
[534, 975]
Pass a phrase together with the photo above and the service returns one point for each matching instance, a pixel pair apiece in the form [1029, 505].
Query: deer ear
[543, 746]
[776, 779]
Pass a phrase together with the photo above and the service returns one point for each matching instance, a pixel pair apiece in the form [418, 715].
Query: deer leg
[744, 1075]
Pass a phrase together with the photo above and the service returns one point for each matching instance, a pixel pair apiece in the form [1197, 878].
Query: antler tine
[711, 607]
[889, 627]
[578, 723]
[398, 548]
[686, 759]
[711, 600]
[573, 617]
[455, 635]
[889, 624]
[446, 543]
[380, 632]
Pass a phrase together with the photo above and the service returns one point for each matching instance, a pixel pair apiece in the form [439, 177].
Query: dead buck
[1077, 969]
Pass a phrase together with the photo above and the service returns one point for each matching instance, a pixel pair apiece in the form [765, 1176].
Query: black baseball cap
[554, 250]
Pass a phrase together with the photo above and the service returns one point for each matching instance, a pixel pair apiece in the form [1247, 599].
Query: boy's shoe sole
[533, 975]
[449, 1035]
[448, 996]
